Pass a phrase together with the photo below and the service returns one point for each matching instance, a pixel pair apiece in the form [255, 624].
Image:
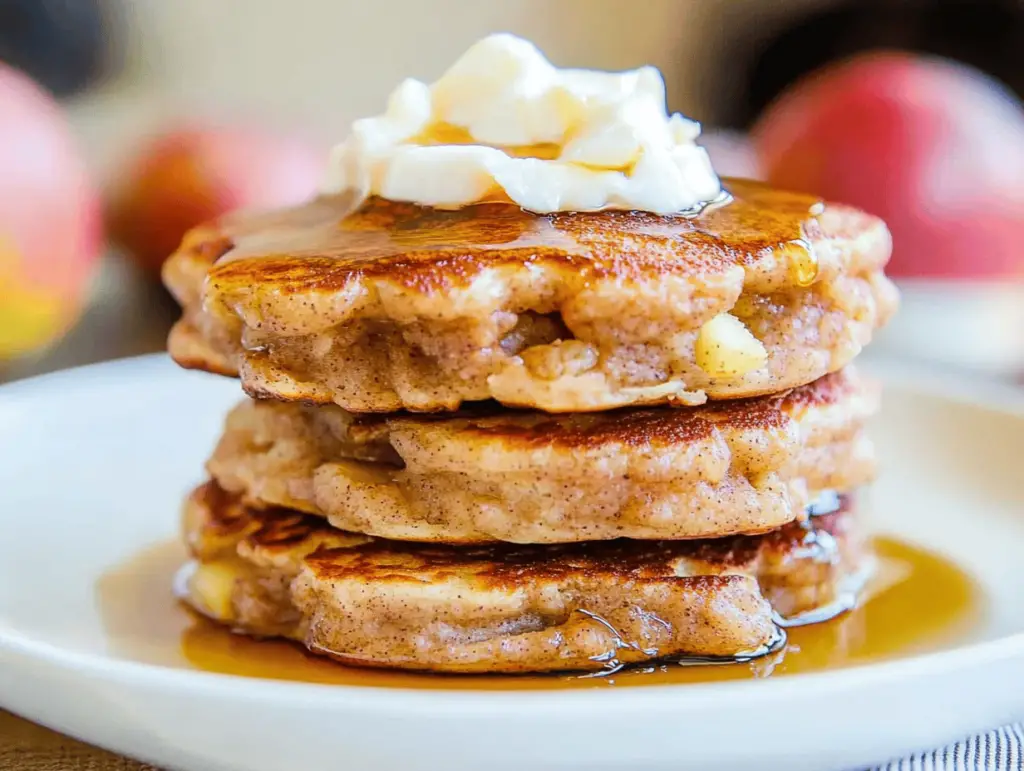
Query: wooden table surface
[25, 746]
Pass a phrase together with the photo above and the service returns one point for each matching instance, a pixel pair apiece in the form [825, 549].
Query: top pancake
[399, 306]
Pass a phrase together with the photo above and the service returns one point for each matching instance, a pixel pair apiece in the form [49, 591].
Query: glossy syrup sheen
[920, 602]
[326, 244]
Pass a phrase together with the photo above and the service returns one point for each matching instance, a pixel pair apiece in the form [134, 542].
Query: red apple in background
[49, 219]
[934, 148]
[188, 176]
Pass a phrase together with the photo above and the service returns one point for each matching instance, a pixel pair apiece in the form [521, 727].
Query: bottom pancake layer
[507, 608]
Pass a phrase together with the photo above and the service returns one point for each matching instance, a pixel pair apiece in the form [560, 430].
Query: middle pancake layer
[728, 468]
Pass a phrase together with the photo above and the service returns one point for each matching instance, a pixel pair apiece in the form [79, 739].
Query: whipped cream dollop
[505, 124]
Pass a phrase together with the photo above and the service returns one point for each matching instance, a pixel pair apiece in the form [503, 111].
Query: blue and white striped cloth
[999, 750]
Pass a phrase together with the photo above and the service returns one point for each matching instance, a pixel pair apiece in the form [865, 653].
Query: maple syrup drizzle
[335, 238]
[803, 262]
[919, 602]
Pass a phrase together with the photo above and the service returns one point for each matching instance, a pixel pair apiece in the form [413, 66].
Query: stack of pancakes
[485, 440]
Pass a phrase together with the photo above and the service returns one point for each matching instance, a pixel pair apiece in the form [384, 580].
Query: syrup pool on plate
[918, 602]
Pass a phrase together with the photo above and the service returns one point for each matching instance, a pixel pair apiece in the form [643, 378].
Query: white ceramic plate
[94, 462]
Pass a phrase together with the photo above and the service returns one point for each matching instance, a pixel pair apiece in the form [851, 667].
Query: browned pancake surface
[481, 475]
[508, 608]
[324, 247]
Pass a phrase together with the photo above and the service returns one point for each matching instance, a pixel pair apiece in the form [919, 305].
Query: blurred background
[124, 122]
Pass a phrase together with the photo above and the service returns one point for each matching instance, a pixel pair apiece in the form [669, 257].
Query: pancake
[511, 608]
[726, 468]
[395, 306]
